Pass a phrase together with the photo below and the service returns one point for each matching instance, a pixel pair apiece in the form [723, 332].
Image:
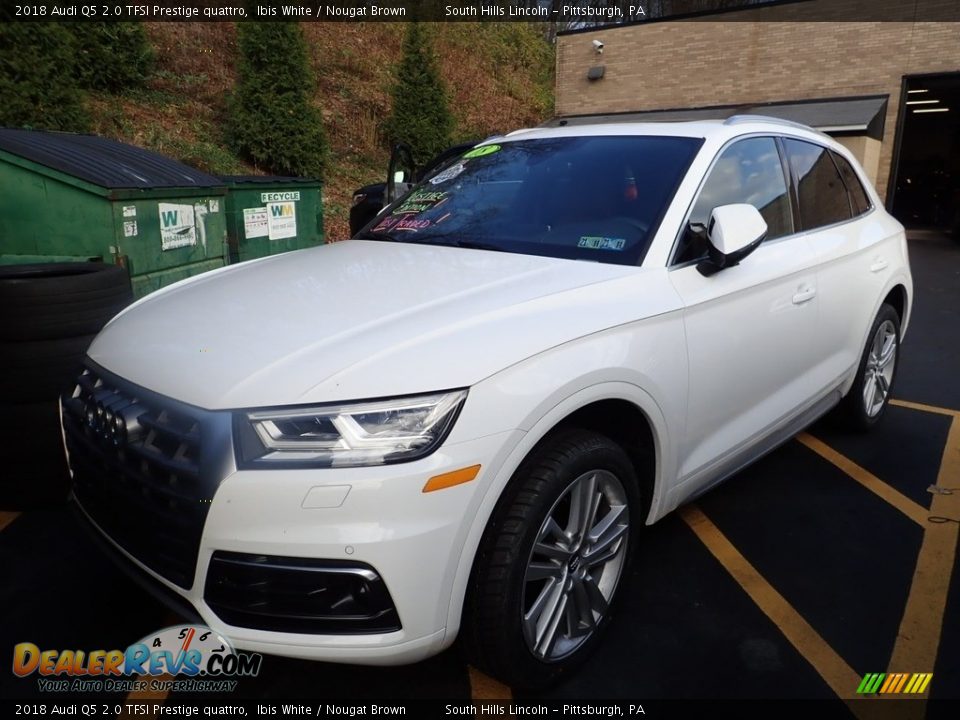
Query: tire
[40, 370]
[34, 463]
[511, 580]
[59, 300]
[869, 396]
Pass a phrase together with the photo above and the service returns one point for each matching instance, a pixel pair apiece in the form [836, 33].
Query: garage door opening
[926, 191]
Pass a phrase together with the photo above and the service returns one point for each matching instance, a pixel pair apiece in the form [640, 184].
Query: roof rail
[740, 119]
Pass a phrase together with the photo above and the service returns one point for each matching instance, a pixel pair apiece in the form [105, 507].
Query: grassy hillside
[499, 77]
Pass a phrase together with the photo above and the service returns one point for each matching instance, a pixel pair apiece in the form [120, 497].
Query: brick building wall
[760, 57]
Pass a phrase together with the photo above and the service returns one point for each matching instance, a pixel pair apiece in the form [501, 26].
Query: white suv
[461, 422]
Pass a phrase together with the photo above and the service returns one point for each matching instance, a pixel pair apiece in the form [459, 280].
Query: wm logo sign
[894, 683]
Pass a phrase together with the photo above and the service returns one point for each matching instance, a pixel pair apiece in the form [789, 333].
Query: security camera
[598, 46]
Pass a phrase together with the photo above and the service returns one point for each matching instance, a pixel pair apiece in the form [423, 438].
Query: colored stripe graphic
[894, 683]
[890, 683]
[870, 683]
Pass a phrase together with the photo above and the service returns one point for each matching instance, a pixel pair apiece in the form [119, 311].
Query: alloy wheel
[575, 565]
[878, 374]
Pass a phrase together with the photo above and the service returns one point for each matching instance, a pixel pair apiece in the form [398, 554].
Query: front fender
[657, 388]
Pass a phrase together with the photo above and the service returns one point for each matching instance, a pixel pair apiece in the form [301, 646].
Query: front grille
[160, 592]
[298, 595]
[135, 458]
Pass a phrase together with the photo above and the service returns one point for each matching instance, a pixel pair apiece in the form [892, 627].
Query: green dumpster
[269, 215]
[68, 196]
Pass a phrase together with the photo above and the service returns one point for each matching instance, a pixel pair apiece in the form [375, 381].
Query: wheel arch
[629, 427]
[898, 299]
[598, 407]
[897, 293]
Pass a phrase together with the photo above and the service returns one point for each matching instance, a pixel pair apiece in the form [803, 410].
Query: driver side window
[749, 171]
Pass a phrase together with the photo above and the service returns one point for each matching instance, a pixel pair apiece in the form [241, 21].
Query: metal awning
[840, 116]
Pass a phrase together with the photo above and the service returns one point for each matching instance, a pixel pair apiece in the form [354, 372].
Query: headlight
[367, 433]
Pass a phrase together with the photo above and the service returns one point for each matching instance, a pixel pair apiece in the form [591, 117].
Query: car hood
[351, 320]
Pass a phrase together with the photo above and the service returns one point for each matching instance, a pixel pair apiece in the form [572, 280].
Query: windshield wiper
[447, 240]
[473, 245]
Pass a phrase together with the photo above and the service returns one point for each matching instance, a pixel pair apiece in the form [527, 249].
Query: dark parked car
[370, 199]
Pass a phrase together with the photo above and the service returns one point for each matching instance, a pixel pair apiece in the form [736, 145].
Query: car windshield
[597, 198]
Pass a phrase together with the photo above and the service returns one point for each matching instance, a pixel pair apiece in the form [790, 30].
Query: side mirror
[734, 231]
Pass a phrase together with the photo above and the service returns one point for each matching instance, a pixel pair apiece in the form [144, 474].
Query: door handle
[804, 295]
[878, 265]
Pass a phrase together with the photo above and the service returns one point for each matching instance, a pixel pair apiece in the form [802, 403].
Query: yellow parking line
[917, 641]
[6, 518]
[484, 687]
[832, 668]
[871, 482]
[925, 408]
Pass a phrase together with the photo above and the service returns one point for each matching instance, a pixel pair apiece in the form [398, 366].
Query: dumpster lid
[102, 161]
[264, 179]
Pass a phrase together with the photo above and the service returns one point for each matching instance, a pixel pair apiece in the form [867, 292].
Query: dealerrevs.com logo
[206, 659]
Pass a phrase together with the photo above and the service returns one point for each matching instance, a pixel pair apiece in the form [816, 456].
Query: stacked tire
[49, 314]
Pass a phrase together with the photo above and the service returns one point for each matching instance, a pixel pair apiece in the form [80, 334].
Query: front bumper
[410, 538]
[374, 517]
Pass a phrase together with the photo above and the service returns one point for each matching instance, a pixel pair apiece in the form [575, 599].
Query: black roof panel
[101, 161]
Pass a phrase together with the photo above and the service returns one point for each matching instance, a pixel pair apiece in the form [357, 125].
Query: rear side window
[858, 196]
[749, 171]
[820, 190]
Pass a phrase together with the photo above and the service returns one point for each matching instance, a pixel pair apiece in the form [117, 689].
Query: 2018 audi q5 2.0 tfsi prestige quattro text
[457, 423]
